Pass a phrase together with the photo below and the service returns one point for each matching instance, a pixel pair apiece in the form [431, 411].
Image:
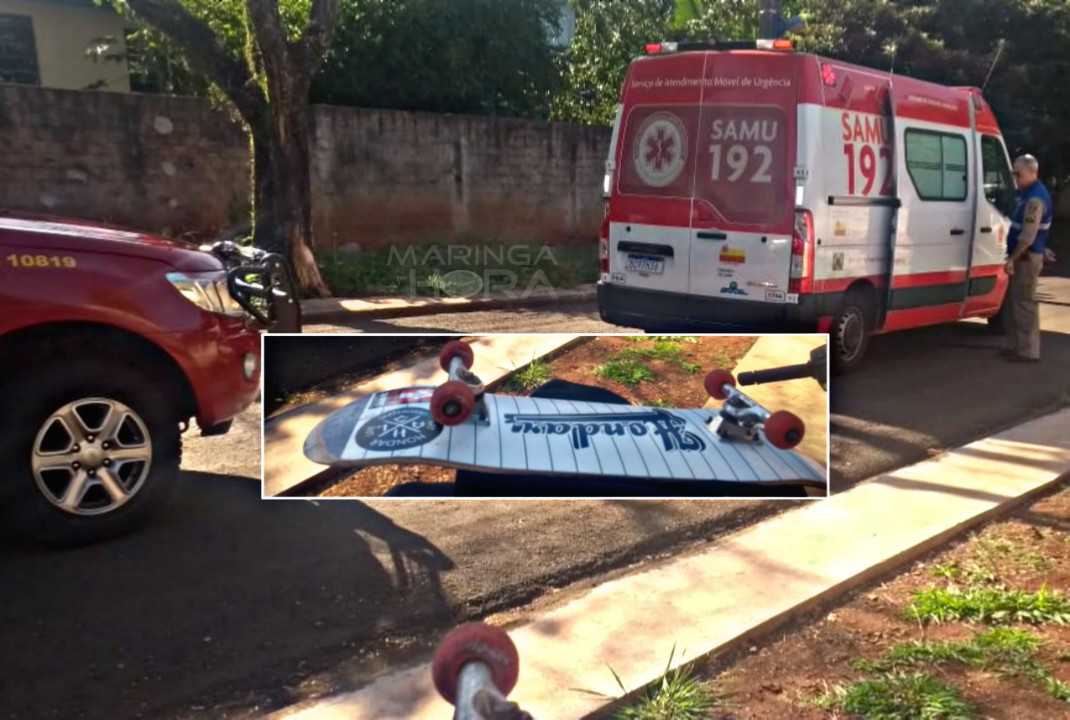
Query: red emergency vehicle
[773, 190]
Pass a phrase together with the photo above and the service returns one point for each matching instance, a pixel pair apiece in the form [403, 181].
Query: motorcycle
[262, 283]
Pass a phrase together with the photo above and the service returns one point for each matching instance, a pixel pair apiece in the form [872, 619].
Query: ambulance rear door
[743, 215]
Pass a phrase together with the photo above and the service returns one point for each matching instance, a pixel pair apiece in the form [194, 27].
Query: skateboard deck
[553, 437]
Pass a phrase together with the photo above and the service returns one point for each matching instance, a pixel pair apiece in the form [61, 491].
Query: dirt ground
[677, 382]
[782, 678]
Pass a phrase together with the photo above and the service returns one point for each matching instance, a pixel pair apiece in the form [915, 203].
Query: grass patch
[532, 376]
[626, 372]
[1006, 649]
[991, 552]
[991, 606]
[679, 695]
[462, 267]
[906, 696]
[661, 350]
[687, 339]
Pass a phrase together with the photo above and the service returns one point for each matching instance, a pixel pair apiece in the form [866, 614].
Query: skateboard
[474, 668]
[458, 424]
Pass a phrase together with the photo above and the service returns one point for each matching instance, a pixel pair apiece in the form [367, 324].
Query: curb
[342, 309]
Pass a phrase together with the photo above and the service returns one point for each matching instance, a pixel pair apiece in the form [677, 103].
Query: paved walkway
[715, 599]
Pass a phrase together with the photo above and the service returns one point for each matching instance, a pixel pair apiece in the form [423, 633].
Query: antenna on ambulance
[999, 52]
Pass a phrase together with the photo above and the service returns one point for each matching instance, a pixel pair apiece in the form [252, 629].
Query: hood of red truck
[44, 233]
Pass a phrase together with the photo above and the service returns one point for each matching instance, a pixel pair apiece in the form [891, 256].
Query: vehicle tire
[851, 330]
[70, 418]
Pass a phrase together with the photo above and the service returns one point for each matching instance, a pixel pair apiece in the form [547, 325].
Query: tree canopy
[498, 57]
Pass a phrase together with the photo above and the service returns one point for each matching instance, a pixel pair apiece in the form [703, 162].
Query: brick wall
[176, 164]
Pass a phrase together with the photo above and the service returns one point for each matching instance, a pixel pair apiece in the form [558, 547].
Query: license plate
[646, 264]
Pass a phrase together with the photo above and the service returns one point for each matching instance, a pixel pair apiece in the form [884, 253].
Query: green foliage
[1006, 651]
[481, 57]
[1000, 648]
[993, 606]
[678, 695]
[534, 374]
[915, 696]
[626, 372]
[665, 350]
[609, 35]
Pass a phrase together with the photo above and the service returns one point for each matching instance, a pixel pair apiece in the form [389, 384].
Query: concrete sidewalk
[285, 465]
[341, 309]
[746, 586]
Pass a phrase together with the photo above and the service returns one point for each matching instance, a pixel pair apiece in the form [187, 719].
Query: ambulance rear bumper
[655, 311]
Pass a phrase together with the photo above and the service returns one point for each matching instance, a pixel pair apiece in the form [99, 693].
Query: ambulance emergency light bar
[664, 48]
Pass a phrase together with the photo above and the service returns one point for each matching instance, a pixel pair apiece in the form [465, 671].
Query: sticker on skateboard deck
[458, 424]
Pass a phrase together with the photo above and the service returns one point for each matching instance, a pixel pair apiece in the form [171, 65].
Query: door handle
[958, 231]
[704, 235]
[986, 230]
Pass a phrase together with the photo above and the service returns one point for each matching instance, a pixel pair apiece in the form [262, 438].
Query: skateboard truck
[741, 418]
[474, 668]
[454, 401]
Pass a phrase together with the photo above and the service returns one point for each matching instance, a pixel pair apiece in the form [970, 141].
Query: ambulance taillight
[802, 254]
[603, 243]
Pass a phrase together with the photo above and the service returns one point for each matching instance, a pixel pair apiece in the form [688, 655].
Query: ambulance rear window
[738, 163]
[657, 152]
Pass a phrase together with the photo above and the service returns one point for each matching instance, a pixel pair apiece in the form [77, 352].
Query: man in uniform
[1027, 248]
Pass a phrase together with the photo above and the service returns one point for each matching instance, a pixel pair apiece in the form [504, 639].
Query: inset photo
[546, 416]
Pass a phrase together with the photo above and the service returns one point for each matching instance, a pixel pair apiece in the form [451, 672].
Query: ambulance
[752, 187]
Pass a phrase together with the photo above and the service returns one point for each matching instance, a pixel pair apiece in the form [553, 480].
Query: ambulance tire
[851, 330]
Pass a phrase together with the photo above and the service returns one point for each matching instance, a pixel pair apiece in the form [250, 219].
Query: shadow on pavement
[936, 388]
[222, 588]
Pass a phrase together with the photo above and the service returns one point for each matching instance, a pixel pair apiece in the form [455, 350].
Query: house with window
[70, 44]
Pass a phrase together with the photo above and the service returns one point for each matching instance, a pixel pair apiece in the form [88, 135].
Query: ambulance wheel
[452, 403]
[475, 642]
[456, 349]
[716, 380]
[851, 328]
[784, 430]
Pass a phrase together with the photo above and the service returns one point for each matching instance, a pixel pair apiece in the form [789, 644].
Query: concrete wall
[62, 33]
[155, 162]
[152, 163]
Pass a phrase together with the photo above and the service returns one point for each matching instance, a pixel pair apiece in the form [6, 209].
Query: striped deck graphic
[549, 436]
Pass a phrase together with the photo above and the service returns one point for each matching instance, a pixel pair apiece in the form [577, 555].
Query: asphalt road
[229, 605]
[234, 604]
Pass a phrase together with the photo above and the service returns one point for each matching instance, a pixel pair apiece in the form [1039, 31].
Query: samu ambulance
[767, 189]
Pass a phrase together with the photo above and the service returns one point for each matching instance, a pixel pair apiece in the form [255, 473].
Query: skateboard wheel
[456, 349]
[784, 430]
[475, 642]
[715, 380]
[452, 403]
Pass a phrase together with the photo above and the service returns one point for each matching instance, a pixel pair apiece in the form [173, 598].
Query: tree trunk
[283, 188]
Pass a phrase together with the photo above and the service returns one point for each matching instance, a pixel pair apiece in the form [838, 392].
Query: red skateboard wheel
[715, 380]
[784, 430]
[452, 403]
[475, 642]
[456, 349]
